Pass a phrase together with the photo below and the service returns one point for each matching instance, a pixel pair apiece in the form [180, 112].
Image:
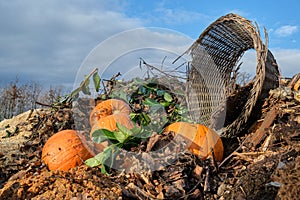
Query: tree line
[16, 98]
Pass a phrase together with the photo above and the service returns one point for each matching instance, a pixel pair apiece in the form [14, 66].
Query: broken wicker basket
[215, 54]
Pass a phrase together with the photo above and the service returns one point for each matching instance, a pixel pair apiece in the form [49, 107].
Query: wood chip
[295, 82]
[260, 133]
[198, 171]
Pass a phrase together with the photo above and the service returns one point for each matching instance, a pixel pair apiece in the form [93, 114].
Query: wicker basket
[215, 54]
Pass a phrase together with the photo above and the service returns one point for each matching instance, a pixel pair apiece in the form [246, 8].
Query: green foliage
[168, 97]
[101, 135]
[84, 87]
[97, 81]
[143, 118]
[122, 138]
[154, 106]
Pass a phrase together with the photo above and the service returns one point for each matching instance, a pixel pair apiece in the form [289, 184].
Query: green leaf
[165, 103]
[92, 162]
[150, 102]
[145, 119]
[73, 94]
[182, 111]
[156, 108]
[85, 87]
[114, 152]
[97, 81]
[101, 135]
[101, 157]
[133, 115]
[120, 136]
[124, 129]
[160, 92]
[142, 90]
[136, 130]
[168, 97]
[120, 94]
[107, 157]
[107, 153]
[103, 169]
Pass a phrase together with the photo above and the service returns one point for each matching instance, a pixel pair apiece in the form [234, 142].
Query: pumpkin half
[65, 150]
[108, 107]
[202, 139]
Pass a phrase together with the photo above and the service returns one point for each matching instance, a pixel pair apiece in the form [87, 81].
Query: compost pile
[261, 163]
[260, 134]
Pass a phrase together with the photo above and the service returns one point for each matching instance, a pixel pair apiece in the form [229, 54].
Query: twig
[139, 192]
[243, 191]
[267, 141]
[29, 115]
[242, 156]
[108, 88]
[257, 136]
[163, 61]
[206, 182]
[180, 66]
[233, 153]
[43, 104]
[214, 159]
[104, 88]
[111, 82]
[253, 153]
[160, 71]
[88, 77]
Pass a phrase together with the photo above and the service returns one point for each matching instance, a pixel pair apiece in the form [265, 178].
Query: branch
[160, 71]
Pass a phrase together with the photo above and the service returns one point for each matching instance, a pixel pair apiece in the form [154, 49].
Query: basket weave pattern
[214, 55]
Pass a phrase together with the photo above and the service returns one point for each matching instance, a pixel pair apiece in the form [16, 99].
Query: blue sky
[196, 15]
[47, 41]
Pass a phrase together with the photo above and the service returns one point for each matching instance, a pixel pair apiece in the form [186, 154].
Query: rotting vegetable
[65, 150]
[201, 139]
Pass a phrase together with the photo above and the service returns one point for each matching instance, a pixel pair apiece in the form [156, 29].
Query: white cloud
[239, 12]
[176, 16]
[286, 30]
[288, 61]
[121, 52]
[47, 40]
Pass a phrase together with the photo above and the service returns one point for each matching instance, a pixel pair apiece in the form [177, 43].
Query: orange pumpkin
[108, 107]
[110, 123]
[201, 137]
[65, 150]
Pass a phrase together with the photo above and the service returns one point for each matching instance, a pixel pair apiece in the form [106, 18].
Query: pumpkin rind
[201, 137]
[65, 150]
[108, 107]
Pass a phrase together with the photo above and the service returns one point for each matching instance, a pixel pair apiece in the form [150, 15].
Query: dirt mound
[262, 163]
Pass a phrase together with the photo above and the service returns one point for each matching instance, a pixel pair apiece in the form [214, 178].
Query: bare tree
[17, 98]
